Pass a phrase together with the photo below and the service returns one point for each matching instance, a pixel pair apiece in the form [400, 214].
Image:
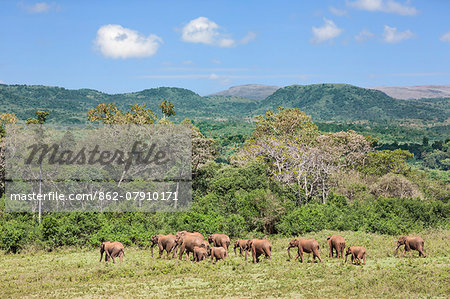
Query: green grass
[78, 273]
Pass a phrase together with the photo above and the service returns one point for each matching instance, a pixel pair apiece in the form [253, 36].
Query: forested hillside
[343, 102]
[324, 102]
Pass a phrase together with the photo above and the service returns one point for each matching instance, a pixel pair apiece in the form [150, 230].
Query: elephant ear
[328, 238]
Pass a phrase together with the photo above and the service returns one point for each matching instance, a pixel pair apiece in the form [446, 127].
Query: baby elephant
[358, 253]
[304, 245]
[112, 250]
[200, 253]
[414, 243]
[242, 245]
[219, 253]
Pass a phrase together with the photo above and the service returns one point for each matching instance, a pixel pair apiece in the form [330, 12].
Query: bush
[13, 236]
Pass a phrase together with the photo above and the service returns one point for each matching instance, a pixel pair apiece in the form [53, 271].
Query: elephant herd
[186, 242]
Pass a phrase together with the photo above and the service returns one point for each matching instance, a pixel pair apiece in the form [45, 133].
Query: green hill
[342, 102]
[324, 102]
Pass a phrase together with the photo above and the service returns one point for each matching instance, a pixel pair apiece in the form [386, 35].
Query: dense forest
[280, 174]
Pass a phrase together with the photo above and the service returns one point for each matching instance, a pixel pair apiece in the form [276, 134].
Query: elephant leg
[331, 251]
[301, 256]
[421, 252]
[181, 252]
[121, 256]
[168, 249]
[175, 248]
[316, 254]
[107, 256]
[161, 250]
[364, 259]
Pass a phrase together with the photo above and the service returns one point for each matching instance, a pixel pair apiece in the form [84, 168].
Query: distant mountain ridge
[249, 91]
[415, 92]
[324, 102]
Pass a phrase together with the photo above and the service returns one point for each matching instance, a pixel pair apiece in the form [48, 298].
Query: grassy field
[78, 273]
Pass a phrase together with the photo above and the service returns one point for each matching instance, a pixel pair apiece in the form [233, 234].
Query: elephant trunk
[289, 252]
[396, 249]
[151, 249]
[235, 250]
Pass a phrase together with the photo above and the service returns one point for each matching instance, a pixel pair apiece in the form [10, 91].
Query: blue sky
[208, 46]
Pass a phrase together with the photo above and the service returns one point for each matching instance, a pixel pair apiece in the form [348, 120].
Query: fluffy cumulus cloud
[328, 31]
[364, 35]
[445, 37]
[390, 35]
[389, 6]
[204, 31]
[115, 41]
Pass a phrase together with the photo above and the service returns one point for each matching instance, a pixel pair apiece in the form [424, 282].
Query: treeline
[287, 177]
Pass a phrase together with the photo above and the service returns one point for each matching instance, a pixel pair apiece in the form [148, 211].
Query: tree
[298, 155]
[41, 117]
[5, 119]
[167, 108]
[110, 114]
[383, 162]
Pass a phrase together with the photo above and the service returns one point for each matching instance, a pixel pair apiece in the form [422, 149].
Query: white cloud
[327, 32]
[39, 7]
[251, 36]
[187, 62]
[214, 76]
[2, 82]
[391, 35]
[445, 37]
[338, 12]
[216, 61]
[115, 41]
[389, 6]
[203, 30]
[364, 35]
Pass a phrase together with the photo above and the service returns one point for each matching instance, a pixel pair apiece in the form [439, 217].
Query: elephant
[242, 244]
[257, 248]
[305, 245]
[207, 245]
[414, 243]
[219, 240]
[112, 250]
[336, 243]
[166, 243]
[357, 252]
[154, 242]
[187, 242]
[200, 253]
[218, 253]
[181, 234]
